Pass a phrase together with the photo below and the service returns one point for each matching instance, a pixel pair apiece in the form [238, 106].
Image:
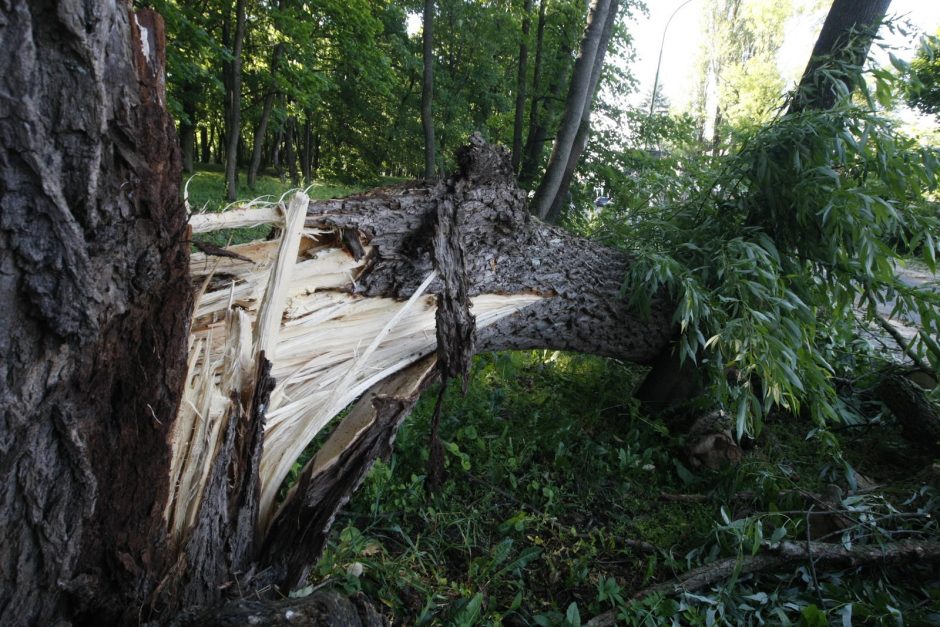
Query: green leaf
[573, 616]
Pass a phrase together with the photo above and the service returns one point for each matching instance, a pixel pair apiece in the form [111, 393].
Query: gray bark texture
[96, 301]
[578, 94]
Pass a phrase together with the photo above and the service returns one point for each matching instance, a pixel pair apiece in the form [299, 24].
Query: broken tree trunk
[355, 284]
[95, 306]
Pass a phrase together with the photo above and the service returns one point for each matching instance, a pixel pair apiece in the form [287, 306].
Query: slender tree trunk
[233, 95]
[266, 109]
[96, 301]
[276, 151]
[306, 144]
[578, 94]
[204, 143]
[316, 149]
[188, 126]
[520, 87]
[290, 161]
[584, 130]
[427, 93]
[540, 109]
[211, 147]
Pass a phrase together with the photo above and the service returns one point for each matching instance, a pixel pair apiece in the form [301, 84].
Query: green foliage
[923, 88]
[776, 253]
[549, 470]
[555, 482]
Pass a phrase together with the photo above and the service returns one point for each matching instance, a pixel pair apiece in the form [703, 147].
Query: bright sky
[683, 39]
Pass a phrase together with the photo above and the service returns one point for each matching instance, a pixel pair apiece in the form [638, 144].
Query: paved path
[913, 275]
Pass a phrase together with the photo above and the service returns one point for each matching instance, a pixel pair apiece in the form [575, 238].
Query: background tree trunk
[233, 95]
[584, 129]
[96, 299]
[188, 127]
[427, 92]
[520, 87]
[266, 108]
[532, 149]
[574, 108]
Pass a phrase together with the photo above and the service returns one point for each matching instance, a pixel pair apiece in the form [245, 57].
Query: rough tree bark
[96, 302]
[574, 108]
[94, 250]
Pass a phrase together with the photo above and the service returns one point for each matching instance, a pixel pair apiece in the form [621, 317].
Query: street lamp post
[659, 62]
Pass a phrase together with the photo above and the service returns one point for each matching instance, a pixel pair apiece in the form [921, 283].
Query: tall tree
[427, 92]
[541, 104]
[574, 109]
[267, 105]
[584, 129]
[521, 80]
[847, 35]
[233, 95]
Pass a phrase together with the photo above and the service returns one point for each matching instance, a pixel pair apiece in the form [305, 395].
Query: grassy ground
[559, 506]
[206, 192]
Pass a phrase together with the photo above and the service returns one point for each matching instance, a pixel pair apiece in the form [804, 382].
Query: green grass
[206, 190]
[553, 478]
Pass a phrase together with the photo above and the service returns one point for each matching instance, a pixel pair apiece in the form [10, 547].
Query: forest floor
[564, 500]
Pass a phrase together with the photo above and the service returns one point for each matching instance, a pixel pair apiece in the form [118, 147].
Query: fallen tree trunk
[918, 416]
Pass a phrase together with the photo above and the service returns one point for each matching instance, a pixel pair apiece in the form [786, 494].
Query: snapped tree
[145, 438]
